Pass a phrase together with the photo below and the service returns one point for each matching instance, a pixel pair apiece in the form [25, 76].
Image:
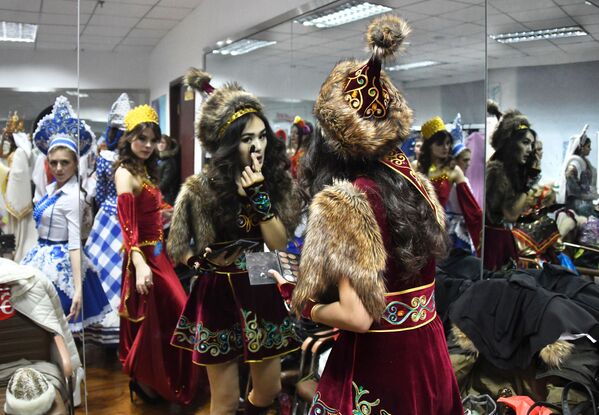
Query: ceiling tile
[21, 17]
[134, 49]
[106, 31]
[21, 5]
[102, 40]
[66, 7]
[514, 6]
[157, 24]
[172, 13]
[140, 41]
[435, 7]
[580, 9]
[95, 46]
[534, 15]
[474, 14]
[55, 46]
[60, 19]
[57, 30]
[123, 9]
[154, 34]
[113, 21]
[181, 3]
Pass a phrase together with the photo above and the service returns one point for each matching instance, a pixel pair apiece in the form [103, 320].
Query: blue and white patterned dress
[57, 218]
[103, 246]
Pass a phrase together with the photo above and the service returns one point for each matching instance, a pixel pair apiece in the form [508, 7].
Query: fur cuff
[343, 239]
[555, 354]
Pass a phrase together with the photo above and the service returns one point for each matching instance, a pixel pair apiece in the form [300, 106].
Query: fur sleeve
[343, 239]
[288, 209]
[191, 219]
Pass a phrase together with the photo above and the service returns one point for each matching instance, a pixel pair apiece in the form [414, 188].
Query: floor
[108, 390]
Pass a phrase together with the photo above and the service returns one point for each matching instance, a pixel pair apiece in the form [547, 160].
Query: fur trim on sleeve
[343, 239]
[191, 219]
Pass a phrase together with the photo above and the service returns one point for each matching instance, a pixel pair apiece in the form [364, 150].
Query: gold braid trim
[233, 117]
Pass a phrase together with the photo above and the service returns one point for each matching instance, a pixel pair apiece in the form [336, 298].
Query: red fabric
[148, 321]
[500, 248]
[473, 214]
[442, 187]
[522, 404]
[295, 159]
[408, 372]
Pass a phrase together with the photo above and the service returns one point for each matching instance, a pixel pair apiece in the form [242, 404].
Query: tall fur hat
[221, 107]
[510, 123]
[361, 112]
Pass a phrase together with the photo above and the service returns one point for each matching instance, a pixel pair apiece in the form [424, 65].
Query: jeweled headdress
[361, 112]
[62, 126]
[139, 114]
[118, 111]
[14, 124]
[221, 108]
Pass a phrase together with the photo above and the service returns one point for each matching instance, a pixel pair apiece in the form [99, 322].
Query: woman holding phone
[246, 194]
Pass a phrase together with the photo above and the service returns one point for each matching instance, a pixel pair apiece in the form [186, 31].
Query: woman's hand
[250, 175]
[222, 260]
[144, 279]
[75, 306]
[277, 276]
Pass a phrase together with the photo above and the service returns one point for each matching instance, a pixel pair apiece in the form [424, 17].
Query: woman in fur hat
[246, 194]
[436, 163]
[152, 296]
[510, 177]
[375, 228]
[578, 184]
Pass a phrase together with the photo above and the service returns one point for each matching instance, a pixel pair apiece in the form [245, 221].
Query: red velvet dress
[401, 365]
[226, 318]
[148, 321]
[472, 213]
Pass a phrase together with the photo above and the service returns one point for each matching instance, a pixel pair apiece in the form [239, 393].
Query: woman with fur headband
[152, 296]
[375, 228]
[246, 193]
[510, 177]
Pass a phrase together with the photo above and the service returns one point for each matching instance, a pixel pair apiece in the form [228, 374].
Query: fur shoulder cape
[194, 217]
[343, 239]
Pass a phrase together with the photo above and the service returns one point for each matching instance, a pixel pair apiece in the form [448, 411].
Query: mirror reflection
[45, 303]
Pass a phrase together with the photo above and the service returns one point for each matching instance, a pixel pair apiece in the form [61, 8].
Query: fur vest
[194, 217]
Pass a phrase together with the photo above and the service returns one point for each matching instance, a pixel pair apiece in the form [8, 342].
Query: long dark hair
[518, 174]
[225, 164]
[425, 160]
[415, 233]
[131, 162]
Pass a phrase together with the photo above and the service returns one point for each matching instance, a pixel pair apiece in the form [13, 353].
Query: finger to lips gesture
[252, 175]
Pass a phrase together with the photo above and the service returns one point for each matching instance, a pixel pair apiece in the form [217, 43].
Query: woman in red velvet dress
[152, 297]
[375, 228]
[436, 163]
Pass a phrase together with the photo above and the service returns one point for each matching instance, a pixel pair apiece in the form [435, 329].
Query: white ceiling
[448, 31]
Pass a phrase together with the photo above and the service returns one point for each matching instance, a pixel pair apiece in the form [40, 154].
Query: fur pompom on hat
[361, 113]
[28, 393]
[221, 107]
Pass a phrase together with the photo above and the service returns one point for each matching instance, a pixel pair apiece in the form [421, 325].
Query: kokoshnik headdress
[361, 112]
[221, 107]
[62, 127]
[139, 114]
[116, 119]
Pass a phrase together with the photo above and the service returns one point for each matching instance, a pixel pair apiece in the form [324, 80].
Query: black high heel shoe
[134, 387]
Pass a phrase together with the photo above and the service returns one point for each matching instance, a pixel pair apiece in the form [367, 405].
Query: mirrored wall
[542, 62]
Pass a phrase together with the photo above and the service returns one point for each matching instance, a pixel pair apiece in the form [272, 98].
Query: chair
[312, 347]
[23, 339]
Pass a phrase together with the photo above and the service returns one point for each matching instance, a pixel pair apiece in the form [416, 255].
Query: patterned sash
[397, 161]
[407, 310]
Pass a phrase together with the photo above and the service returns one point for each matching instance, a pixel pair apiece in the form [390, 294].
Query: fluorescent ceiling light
[342, 14]
[33, 89]
[243, 46]
[17, 32]
[74, 94]
[413, 65]
[544, 34]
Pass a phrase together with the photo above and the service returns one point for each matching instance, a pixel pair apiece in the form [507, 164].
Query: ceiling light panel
[243, 46]
[413, 65]
[544, 34]
[18, 32]
[342, 14]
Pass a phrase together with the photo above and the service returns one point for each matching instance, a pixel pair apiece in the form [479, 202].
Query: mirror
[550, 77]
[39, 220]
[441, 74]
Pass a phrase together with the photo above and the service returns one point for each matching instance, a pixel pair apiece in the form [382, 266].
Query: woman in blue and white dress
[57, 218]
[104, 243]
